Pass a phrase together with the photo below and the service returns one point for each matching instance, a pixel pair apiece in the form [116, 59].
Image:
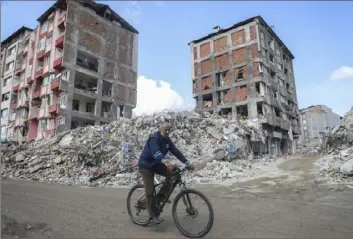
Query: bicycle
[175, 179]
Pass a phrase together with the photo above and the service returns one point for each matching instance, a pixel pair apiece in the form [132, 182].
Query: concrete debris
[341, 137]
[103, 155]
[337, 165]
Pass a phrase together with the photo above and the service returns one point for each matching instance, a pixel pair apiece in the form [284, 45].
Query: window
[7, 81]
[4, 113]
[48, 42]
[275, 94]
[90, 107]
[47, 59]
[41, 45]
[3, 129]
[271, 59]
[43, 124]
[60, 121]
[9, 66]
[271, 43]
[5, 97]
[45, 80]
[44, 27]
[29, 70]
[11, 51]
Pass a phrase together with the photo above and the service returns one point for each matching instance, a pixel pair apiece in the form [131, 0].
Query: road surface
[283, 202]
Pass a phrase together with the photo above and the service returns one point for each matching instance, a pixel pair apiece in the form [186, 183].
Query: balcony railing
[59, 43]
[53, 108]
[16, 87]
[36, 93]
[62, 20]
[58, 63]
[39, 72]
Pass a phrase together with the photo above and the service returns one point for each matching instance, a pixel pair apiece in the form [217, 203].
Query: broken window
[4, 113]
[121, 111]
[9, 66]
[285, 71]
[59, 121]
[5, 97]
[86, 83]
[221, 78]
[271, 43]
[194, 86]
[106, 108]
[260, 89]
[242, 112]
[107, 88]
[207, 100]
[272, 75]
[75, 105]
[86, 61]
[260, 110]
[277, 112]
[7, 81]
[287, 86]
[90, 107]
[226, 112]
[275, 94]
[272, 59]
[239, 76]
[241, 93]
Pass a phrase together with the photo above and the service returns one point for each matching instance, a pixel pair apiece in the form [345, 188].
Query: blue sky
[319, 34]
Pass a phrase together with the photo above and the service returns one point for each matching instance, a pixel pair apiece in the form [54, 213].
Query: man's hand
[190, 166]
[169, 166]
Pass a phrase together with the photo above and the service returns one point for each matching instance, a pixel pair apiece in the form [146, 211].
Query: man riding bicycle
[152, 161]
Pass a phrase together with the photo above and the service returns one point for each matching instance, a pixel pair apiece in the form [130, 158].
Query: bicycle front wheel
[186, 204]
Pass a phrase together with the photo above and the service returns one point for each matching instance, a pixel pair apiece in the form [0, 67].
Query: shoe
[155, 221]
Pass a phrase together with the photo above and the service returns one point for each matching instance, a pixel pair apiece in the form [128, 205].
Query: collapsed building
[78, 67]
[337, 164]
[246, 72]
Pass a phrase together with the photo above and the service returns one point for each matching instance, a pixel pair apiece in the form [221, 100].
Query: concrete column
[98, 108]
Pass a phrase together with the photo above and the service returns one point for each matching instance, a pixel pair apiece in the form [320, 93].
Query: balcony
[16, 87]
[61, 21]
[57, 65]
[30, 61]
[45, 69]
[33, 114]
[39, 73]
[13, 105]
[40, 55]
[59, 43]
[36, 93]
[55, 85]
[23, 52]
[29, 80]
[53, 109]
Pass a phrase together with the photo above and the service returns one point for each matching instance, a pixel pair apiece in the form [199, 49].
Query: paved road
[282, 203]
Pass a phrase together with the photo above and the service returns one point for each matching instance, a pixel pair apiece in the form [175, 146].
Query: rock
[347, 167]
[35, 169]
[66, 140]
[58, 160]
[20, 158]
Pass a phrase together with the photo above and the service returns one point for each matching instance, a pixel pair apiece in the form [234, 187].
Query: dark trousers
[148, 179]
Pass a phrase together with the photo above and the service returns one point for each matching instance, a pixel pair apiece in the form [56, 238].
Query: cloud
[156, 96]
[343, 72]
[133, 12]
[159, 3]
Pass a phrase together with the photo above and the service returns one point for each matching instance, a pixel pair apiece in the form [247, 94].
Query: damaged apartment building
[246, 72]
[78, 67]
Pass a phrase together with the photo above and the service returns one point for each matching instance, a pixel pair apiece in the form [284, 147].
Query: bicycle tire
[128, 204]
[176, 221]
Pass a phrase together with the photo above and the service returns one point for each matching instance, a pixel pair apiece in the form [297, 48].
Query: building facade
[79, 68]
[10, 49]
[245, 71]
[317, 121]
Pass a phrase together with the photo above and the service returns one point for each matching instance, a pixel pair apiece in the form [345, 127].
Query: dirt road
[282, 202]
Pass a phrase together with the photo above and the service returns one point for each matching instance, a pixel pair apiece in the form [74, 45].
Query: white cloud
[159, 3]
[133, 12]
[343, 72]
[156, 96]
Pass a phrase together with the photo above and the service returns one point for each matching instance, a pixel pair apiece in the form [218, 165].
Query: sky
[319, 34]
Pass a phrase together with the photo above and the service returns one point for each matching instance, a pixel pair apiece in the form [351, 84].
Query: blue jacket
[155, 150]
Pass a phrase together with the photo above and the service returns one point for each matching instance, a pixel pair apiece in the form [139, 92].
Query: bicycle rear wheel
[189, 206]
[139, 205]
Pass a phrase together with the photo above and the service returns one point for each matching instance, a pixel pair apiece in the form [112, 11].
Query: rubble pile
[337, 165]
[96, 155]
[341, 137]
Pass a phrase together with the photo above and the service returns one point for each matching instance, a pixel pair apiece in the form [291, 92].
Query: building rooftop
[97, 7]
[241, 24]
[15, 34]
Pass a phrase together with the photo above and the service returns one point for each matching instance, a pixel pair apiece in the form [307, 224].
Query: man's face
[165, 130]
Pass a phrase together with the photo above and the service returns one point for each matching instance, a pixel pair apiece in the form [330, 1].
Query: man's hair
[164, 123]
